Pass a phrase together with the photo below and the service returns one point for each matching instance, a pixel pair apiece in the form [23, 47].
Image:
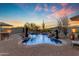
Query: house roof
[4, 24]
[75, 18]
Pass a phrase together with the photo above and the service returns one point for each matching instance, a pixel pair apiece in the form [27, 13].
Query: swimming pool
[41, 39]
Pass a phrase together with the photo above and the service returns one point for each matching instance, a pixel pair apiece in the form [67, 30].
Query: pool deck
[13, 47]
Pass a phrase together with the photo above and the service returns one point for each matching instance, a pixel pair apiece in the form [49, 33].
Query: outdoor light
[73, 30]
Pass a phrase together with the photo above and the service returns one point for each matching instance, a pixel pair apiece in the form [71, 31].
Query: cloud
[53, 9]
[38, 8]
[45, 7]
[64, 4]
[64, 12]
[22, 6]
[60, 13]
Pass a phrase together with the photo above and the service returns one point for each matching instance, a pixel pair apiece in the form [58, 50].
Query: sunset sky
[19, 14]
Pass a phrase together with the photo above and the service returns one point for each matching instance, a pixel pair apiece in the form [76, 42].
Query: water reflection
[42, 39]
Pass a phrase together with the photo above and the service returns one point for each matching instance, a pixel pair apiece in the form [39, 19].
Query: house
[4, 27]
[74, 24]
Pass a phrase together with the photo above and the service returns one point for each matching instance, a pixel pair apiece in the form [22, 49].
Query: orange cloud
[64, 12]
[60, 13]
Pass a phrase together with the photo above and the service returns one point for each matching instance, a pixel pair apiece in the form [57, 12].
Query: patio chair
[75, 43]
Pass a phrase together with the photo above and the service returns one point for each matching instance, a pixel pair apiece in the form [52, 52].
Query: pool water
[42, 39]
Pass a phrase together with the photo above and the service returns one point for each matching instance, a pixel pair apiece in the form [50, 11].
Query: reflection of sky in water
[42, 39]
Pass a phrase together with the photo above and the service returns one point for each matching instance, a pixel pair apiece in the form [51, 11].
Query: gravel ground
[12, 47]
